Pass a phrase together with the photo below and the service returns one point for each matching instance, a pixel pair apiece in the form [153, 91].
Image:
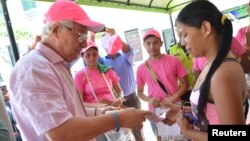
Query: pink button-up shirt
[43, 95]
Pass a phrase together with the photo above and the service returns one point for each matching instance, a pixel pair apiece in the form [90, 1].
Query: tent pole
[13, 48]
[172, 26]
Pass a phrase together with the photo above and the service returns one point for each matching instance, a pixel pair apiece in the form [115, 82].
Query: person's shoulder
[29, 60]
[120, 55]
[79, 73]
[111, 70]
[242, 29]
[141, 66]
[174, 46]
[111, 73]
[227, 68]
[169, 57]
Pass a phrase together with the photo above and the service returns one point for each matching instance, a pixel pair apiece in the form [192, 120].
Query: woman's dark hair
[193, 15]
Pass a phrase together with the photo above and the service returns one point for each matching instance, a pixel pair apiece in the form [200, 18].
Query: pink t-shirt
[198, 63]
[241, 35]
[211, 112]
[168, 69]
[236, 48]
[97, 82]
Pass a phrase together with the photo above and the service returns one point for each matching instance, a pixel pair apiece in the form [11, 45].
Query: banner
[29, 8]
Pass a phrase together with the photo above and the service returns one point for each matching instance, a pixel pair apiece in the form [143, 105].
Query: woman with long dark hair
[220, 91]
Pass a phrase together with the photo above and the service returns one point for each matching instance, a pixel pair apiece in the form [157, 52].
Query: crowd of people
[194, 77]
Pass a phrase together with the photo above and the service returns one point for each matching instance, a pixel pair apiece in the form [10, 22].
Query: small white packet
[159, 114]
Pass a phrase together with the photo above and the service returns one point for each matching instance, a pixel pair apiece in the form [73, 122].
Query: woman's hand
[183, 122]
[170, 99]
[172, 114]
[155, 102]
[118, 102]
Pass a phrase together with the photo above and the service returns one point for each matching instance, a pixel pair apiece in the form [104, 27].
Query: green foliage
[20, 33]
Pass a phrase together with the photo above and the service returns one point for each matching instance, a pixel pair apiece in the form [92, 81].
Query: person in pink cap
[219, 96]
[98, 84]
[44, 99]
[169, 70]
[95, 80]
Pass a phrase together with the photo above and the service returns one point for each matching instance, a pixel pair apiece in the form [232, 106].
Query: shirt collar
[50, 54]
[116, 55]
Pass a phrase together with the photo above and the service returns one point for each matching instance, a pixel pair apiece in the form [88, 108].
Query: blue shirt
[123, 66]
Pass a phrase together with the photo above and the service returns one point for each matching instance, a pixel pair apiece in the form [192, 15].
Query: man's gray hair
[46, 30]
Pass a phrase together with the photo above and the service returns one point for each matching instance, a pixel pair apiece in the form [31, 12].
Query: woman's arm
[154, 101]
[118, 90]
[229, 93]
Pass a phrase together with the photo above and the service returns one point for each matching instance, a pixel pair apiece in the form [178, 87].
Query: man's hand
[132, 118]
[111, 31]
[155, 102]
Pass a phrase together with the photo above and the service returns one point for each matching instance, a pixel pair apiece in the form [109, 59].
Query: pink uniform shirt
[168, 69]
[241, 35]
[97, 82]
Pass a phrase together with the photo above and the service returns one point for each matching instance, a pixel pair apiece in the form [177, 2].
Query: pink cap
[114, 44]
[67, 10]
[151, 32]
[90, 44]
[237, 48]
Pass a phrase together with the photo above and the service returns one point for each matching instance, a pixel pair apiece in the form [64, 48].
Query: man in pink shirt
[43, 97]
[169, 70]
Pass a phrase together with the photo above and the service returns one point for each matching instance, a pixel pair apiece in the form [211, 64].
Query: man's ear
[161, 43]
[55, 29]
[206, 28]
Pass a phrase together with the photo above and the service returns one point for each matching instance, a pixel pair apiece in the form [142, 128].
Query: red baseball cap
[67, 10]
[151, 32]
[90, 44]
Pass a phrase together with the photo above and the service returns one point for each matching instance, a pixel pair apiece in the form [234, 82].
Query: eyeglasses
[81, 36]
[87, 55]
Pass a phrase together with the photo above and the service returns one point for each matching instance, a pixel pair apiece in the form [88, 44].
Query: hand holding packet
[159, 114]
[191, 118]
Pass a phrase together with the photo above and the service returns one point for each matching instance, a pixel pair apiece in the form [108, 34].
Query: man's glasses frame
[81, 36]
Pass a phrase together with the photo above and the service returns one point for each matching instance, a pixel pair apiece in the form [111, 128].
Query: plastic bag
[124, 134]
